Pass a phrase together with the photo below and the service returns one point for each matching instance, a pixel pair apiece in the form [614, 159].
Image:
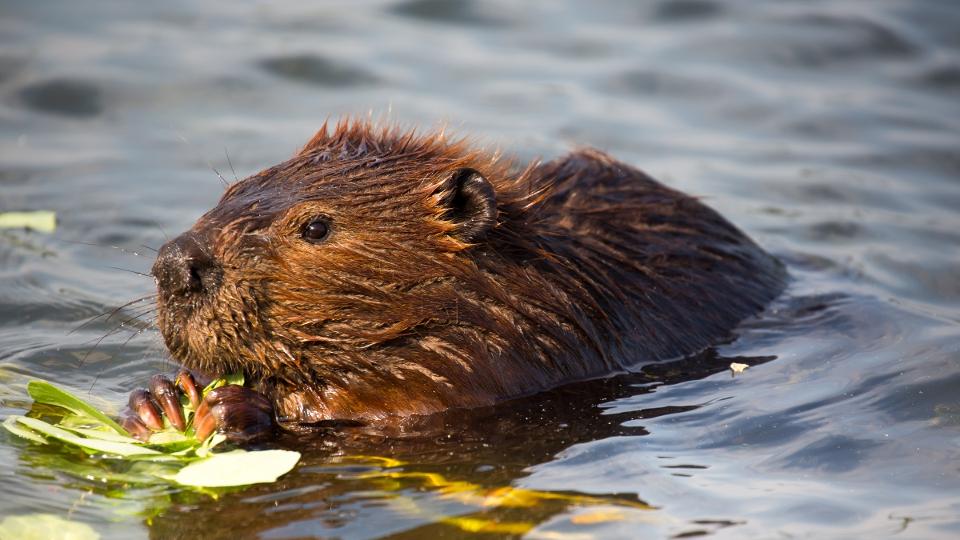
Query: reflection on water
[823, 129]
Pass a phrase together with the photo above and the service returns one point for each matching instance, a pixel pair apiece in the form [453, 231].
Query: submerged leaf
[128, 474]
[238, 468]
[44, 392]
[600, 515]
[44, 527]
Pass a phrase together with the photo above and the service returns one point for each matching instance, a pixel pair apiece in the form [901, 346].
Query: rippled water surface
[827, 130]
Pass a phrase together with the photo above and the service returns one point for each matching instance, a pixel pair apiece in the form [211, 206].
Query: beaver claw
[241, 414]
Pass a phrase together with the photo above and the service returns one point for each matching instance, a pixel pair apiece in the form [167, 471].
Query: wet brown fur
[592, 268]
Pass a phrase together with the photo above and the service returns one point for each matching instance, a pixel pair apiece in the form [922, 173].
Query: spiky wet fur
[592, 268]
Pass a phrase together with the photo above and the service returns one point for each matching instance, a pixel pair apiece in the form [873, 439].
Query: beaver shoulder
[382, 274]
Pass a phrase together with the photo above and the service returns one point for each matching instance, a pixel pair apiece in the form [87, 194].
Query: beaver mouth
[199, 337]
[176, 323]
[189, 281]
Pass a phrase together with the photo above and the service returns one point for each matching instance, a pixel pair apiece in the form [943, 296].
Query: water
[826, 130]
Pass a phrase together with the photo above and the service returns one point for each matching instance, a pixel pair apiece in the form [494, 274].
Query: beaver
[381, 274]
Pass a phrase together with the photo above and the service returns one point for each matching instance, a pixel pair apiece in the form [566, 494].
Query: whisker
[155, 250]
[220, 176]
[83, 360]
[136, 316]
[118, 248]
[131, 271]
[112, 332]
[112, 312]
[94, 383]
[157, 225]
[235, 179]
[100, 371]
[222, 180]
[138, 332]
[120, 328]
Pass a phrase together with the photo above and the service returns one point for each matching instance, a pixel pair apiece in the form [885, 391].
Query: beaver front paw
[241, 414]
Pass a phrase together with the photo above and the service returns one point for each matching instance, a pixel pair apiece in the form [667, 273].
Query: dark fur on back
[591, 268]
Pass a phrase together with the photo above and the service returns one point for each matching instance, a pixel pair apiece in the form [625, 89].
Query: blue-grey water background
[828, 130]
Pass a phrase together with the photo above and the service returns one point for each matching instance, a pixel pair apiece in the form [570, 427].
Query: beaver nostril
[183, 266]
[196, 280]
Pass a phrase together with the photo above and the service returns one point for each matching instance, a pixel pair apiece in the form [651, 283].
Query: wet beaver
[379, 275]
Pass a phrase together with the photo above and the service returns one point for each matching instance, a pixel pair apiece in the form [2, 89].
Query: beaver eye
[316, 231]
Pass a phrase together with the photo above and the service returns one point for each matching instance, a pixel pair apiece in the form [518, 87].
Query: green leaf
[156, 461]
[163, 438]
[130, 474]
[230, 378]
[13, 427]
[100, 434]
[206, 448]
[173, 442]
[44, 392]
[44, 527]
[72, 420]
[238, 468]
[43, 221]
[107, 447]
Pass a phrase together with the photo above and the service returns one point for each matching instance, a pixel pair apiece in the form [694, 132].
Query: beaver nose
[184, 266]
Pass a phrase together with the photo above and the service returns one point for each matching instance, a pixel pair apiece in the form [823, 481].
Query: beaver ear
[471, 204]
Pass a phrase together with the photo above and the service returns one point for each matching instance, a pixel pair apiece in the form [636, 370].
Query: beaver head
[344, 276]
[383, 273]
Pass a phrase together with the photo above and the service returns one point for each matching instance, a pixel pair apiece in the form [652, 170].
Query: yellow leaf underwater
[598, 516]
[44, 527]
